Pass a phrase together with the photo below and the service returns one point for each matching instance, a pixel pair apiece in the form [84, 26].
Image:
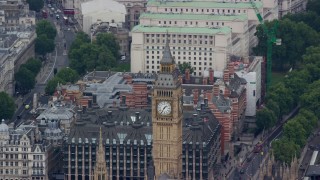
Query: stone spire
[261, 172]
[270, 163]
[167, 56]
[100, 170]
[294, 167]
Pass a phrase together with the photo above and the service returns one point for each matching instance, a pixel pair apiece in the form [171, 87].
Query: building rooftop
[184, 16]
[181, 30]
[58, 113]
[93, 7]
[203, 4]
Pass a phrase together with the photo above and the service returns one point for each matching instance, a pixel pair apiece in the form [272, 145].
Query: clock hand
[163, 109]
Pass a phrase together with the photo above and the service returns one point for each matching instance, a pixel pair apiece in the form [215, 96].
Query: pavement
[57, 59]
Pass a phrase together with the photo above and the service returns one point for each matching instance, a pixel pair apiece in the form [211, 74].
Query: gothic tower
[100, 169]
[167, 119]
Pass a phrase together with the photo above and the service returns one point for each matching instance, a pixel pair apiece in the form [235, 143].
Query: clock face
[164, 108]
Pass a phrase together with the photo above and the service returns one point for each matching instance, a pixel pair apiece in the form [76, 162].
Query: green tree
[277, 94]
[314, 5]
[81, 38]
[7, 106]
[44, 27]
[107, 41]
[184, 66]
[309, 99]
[265, 119]
[296, 81]
[52, 84]
[274, 107]
[284, 150]
[310, 18]
[295, 132]
[68, 75]
[296, 37]
[35, 5]
[25, 79]
[33, 65]
[44, 45]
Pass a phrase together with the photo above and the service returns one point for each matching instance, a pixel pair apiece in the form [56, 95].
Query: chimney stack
[202, 106]
[123, 100]
[216, 89]
[226, 76]
[84, 109]
[94, 99]
[211, 76]
[195, 93]
[137, 116]
[231, 69]
[206, 102]
[205, 81]
[109, 113]
[187, 74]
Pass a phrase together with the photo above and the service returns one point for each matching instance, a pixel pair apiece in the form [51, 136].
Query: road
[58, 59]
[251, 167]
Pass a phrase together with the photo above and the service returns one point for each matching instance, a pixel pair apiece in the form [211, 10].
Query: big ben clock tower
[167, 119]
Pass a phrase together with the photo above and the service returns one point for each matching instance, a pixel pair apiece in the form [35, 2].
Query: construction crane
[271, 39]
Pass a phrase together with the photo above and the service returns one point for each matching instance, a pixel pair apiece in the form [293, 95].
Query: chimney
[90, 103]
[205, 81]
[202, 106]
[216, 89]
[137, 116]
[94, 99]
[195, 93]
[208, 94]
[114, 104]
[123, 100]
[109, 113]
[226, 76]
[206, 102]
[84, 109]
[231, 69]
[211, 76]
[187, 74]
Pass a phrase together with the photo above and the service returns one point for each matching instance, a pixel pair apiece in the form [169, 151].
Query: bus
[44, 14]
[258, 147]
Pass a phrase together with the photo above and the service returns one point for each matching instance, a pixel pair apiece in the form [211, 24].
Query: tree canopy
[35, 5]
[44, 27]
[7, 106]
[184, 66]
[68, 75]
[25, 80]
[52, 84]
[44, 45]
[265, 119]
[101, 54]
[33, 65]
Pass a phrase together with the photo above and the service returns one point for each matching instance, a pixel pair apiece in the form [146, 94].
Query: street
[57, 59]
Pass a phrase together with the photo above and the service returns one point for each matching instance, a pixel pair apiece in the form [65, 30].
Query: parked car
[57, 16]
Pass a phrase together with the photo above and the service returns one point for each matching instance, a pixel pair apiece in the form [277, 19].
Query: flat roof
[183, 30]
[204, 4]
[184, 16]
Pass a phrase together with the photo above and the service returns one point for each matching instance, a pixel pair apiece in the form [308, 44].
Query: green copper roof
[182, 30]
[204, 4]
[184, 16]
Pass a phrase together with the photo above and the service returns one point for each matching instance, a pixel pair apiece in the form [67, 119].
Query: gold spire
[100, 170]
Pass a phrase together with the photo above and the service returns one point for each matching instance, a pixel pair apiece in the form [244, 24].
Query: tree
[52, 84]
[35, 5]
[284, 150]
[7, 106]
[314, 5]
[295, 132]
[296, 37]
[184, 66]
[282, 96]
[44, 45]
[274, 107]
[68, 75]
[309, 99]
[44, 27]
[265, 119]
[25, 79]
[107, 41]
[296, 81]
[310, 18]
[33, 65]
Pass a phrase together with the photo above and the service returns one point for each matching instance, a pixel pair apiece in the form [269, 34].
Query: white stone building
[100, 10]
[23, 154]
[15, 49]
[291, 6]
[251, 72]
[186, 19]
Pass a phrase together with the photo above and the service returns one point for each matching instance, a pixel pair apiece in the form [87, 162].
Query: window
[254, 93]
